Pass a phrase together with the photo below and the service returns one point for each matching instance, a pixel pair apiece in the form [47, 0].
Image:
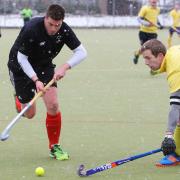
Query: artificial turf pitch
[111, 109]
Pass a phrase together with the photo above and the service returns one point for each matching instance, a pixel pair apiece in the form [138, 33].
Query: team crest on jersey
[42, 43]
[58, 39]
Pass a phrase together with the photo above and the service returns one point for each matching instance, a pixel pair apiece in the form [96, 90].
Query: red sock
[53, 126]
[18, 104]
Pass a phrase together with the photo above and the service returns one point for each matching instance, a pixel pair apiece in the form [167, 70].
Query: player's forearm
[159, 24]
[26, 66]
[65, 66]
[79, 54]
[143, 22]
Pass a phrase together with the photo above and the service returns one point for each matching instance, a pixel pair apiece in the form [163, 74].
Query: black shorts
[143, 36]
[24, 87]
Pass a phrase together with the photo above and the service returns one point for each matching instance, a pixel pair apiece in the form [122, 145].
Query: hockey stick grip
[40, 93]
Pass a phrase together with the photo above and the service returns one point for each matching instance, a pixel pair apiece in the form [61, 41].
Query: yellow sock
[177, 139]
[169, 41]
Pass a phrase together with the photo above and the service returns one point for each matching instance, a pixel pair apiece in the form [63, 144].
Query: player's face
[153, 3]
[150, 60]
[52, 26]
[177, 7]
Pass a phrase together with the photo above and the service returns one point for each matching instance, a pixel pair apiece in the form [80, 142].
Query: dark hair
[155, 46]
[55, 12]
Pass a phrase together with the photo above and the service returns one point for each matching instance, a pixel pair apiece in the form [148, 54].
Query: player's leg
[143, 37]
[53, 124]
[24, 92]
[171, 31]
[169, 41]
[136, 56]
[178, 31]
[150, 36]
[53, 115]
[30, 113]
[16, 100]
[177, 131]
[18, 105]
[137, 53]
[177, 138]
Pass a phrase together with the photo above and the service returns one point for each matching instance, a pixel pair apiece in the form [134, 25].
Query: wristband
[36, 80]
[169, 136]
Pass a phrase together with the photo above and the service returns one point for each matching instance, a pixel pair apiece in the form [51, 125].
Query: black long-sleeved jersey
[41, 48]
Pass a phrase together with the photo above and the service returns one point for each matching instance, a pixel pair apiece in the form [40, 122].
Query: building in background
[84, 13]
[83, 7]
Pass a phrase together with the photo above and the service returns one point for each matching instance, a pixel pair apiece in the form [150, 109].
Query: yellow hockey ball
[39, 171]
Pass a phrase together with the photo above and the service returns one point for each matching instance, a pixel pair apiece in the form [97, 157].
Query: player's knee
[53, 107]
[29, 115]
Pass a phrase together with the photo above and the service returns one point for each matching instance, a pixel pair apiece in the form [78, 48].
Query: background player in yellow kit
[148, 18]
[175, 27]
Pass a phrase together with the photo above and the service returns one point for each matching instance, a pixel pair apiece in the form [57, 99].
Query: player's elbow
[139, 19]
[83, 52]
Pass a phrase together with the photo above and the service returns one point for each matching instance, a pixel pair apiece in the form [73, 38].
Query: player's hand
[168, 146]
[151, 24]
[160, 27]
[61, 72]
[40, 86]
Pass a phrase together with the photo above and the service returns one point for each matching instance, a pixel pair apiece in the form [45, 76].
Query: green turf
[111, 109]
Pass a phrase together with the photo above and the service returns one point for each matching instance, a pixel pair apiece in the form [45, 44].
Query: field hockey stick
[83, 173]
[156, 25]
[175, 29]
[5, 134]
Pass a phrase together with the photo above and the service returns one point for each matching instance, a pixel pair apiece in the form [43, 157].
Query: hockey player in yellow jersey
[148, 19]
[159, 59]
[175, 27]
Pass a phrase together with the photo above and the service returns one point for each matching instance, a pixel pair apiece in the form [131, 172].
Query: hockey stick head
[81, 172]
[4, 136]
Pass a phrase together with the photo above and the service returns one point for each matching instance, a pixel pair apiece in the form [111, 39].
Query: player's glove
[0, 34]
[168, 146]
[160, 27]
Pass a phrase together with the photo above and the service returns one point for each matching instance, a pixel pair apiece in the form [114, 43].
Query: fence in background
[84, 7]
[84, 13]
